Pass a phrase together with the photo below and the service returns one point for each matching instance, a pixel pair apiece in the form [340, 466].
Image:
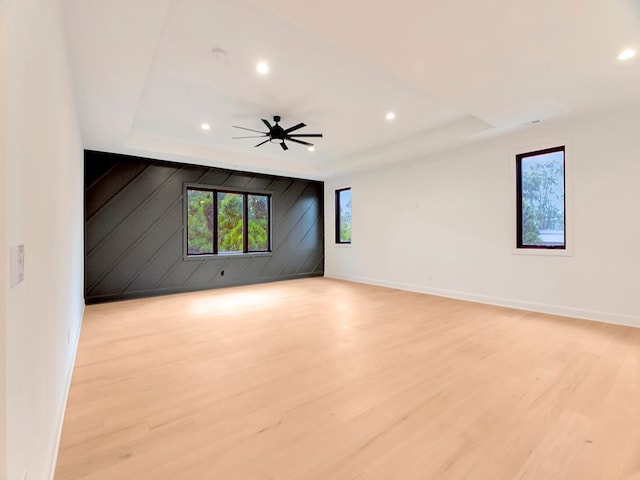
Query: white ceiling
[146, 76]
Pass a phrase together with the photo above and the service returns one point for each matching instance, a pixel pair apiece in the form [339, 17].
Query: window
[258, 223]
[230, 222]
[540, 184]
[227, 222]
[343, 215]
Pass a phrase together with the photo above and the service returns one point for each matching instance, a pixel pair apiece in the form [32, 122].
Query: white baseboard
[604, 317]
[56, 446]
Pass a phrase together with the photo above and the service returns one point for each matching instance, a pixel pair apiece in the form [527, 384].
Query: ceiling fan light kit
[278, 134]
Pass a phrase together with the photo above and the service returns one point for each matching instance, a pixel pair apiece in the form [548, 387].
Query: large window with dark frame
[343, 215]
[540, 184]
[227, 222]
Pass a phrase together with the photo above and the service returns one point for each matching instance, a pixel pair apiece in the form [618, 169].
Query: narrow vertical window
[230, 222]
[343, 215]
[258, 219]
[540, 185]
[200, 225]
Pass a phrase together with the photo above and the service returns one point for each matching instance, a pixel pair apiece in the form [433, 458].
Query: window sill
[221, 256]
[543, 252]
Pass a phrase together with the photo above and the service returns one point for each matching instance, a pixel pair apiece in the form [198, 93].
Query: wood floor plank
[323, 379]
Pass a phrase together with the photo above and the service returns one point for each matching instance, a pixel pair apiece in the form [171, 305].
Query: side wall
[41, 187]
[134, 229]
[4, 274]
[446, 224]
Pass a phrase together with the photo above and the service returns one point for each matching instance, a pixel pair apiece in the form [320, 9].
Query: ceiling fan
[276, 132]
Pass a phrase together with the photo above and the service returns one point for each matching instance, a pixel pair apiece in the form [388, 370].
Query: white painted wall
[3, 234]
[446, 224]
[43, 182]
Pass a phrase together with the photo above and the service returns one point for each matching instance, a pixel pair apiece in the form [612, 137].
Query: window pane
[199, 222]
[542, 215]
[258, 231]
[230, 212]
[344, 216]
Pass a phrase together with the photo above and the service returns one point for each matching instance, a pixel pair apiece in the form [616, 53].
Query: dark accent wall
[134, 229]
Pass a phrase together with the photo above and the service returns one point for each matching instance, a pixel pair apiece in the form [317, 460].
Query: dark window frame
[519, 227]
[337, 216]
[215, 189]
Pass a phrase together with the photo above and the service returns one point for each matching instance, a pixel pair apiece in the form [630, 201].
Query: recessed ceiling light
[627, 54]
[312, 149]
[205, 126]
[390, 116]
[262, 68]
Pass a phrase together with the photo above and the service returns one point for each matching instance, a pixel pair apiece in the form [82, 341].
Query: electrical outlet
[17, 265]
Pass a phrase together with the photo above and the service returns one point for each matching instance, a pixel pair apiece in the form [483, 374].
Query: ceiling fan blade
[266, 123]
[284, 146]
[295, 127]
[300, 141]
[250, 129]
[252, 136]
[317, 135]
[262, 143]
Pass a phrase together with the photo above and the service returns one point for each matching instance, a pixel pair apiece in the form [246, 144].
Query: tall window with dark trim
[227, 222]
[540, 185]
[343, 215]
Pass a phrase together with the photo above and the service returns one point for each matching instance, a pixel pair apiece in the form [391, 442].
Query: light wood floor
[321, 379]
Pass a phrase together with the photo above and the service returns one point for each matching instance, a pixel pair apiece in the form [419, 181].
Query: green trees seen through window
[200, 221]
[228, 219]
[258, 230]
[343, 215]
[230, 224]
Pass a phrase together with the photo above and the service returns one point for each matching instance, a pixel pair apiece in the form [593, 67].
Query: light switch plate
[17, 265]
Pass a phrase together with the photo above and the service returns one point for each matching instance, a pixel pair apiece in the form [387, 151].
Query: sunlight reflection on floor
[234, 302]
